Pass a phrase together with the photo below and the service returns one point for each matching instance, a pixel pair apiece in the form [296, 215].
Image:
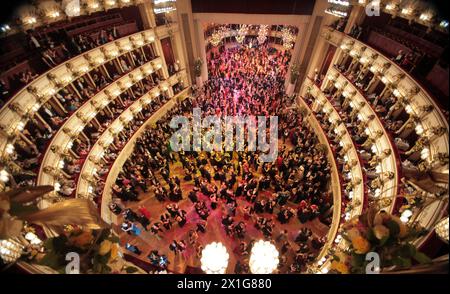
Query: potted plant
[294, 74]
[198, 71]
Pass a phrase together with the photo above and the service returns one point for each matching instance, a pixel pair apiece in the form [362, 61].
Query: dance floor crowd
[170, 205]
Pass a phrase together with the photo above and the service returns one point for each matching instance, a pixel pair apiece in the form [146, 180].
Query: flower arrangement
[98, 250]
[378, 232]
[198, 67]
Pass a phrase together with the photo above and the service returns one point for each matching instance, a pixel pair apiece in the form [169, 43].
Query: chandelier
[288, 38]
[263, 258]
[241, 33]
[262, 34]
[217, 36]
[214, 258]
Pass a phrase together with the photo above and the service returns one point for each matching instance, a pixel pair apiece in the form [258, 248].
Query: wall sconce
[126, 47]
[4, 176]
[137, 110]
[139, 43]
[425, 153]
[31, 20]
[374, 149]
[407, 10]
[99, 60]
[50, 92]
[385, 80]
[113, 53]
[406, 214]
[409, 109]
[419, 129]
[83, 69]
[149, 70]
[20, 126]
[53, 14]
[397, 93]
[66, 79]
[110, 2]
[390, 6]
[56, 187]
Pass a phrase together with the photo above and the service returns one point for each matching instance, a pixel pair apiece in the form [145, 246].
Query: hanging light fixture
[262, 34]
[287, 37]
[263, 258]
[214, 258]
[241, 33]
[217, 36]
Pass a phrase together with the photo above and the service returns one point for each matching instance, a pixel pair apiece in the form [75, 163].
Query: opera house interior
[224, 137]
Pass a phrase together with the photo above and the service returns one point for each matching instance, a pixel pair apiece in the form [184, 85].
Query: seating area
[46, 48]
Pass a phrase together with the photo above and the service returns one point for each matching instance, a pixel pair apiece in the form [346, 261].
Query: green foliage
[393, 227]
[198, 67]
[295, 73]
[395, 248]
[91, 261]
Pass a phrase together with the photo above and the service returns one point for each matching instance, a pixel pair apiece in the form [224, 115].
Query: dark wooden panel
[254, 6]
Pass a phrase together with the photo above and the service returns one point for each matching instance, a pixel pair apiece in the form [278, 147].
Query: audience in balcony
[46, 121]
[52, 53]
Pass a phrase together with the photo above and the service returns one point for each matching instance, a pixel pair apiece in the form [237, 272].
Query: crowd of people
[383, 103]
[250, 198]
[52, 51]
[48, 119]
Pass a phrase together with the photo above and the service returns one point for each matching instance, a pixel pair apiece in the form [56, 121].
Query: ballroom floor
[146, 241]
